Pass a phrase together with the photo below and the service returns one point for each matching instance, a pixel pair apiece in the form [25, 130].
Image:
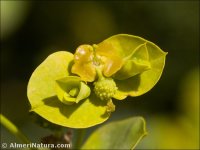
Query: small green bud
[74, 92]
[110, 107]
[105, 89]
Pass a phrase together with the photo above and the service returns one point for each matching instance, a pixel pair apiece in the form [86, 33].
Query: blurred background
[30, 31]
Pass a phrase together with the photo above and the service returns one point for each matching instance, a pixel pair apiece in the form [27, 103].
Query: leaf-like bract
[143, 63]
[44, 101]
[123, 134]
[71, 90]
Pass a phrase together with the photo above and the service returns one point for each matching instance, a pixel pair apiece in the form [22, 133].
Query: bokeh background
[30, 31]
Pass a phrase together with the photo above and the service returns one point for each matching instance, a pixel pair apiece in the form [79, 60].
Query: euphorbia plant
[78, 90]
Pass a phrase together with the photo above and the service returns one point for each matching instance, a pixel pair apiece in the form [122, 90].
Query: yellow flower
[87, 58]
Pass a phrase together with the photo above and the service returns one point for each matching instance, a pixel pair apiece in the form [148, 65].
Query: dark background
[41, 28]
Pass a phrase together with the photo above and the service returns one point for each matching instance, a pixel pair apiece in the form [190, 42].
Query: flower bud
[105, 89]
[71, 90]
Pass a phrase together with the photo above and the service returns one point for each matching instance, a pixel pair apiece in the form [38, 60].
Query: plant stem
[99, 73]
[13, 129]
[79, 138]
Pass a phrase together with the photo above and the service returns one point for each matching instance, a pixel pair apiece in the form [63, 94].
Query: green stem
[99, 73]
[79, 138]
[13, 129]
[96, 59]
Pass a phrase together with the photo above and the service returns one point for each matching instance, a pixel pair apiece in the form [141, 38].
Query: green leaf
[123, 134]
[143, 64]
[119, 95]
[44, 101]
[71, 90]
[134, 64]
[87, 113]
[42, 82]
